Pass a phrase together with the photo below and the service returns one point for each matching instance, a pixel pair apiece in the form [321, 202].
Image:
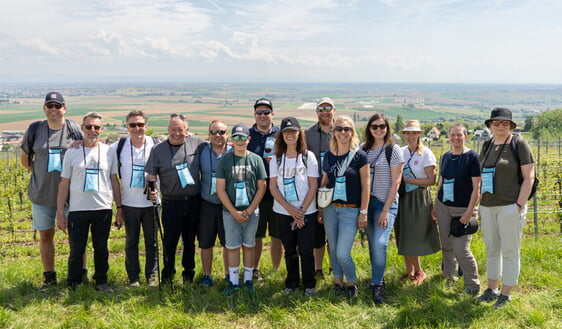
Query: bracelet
[518, 205]
[119, 207]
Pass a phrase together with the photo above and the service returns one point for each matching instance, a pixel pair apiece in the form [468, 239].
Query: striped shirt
[380, 183]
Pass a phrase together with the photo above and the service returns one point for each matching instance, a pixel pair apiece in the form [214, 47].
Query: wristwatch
[363, 212]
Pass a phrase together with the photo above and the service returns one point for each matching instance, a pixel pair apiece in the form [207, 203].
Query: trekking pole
[157, 224]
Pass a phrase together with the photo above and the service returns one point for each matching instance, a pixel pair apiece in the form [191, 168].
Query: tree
[548, 125]
[399, 123]
[529, 122]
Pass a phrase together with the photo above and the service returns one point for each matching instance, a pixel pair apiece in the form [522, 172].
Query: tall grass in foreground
[537, 301]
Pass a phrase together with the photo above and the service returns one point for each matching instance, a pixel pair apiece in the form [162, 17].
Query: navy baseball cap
[240, 130]
[54, 97]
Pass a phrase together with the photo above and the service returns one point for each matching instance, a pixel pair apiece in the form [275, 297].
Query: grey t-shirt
[318, 141]
[43, 185]
[162, 163]
[506, 180]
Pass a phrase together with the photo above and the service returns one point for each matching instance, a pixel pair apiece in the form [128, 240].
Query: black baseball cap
[54, 97]
[290, 123]
[263, 102]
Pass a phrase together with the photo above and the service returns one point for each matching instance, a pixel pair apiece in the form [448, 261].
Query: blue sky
[282, 41]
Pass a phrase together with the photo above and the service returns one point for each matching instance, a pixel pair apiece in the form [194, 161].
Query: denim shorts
[236, 234]
[44, 217]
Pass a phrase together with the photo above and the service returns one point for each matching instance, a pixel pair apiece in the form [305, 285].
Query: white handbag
[324, 197]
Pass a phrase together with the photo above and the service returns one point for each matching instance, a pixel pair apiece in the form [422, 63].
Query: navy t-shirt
[461, 167]
[352, 178]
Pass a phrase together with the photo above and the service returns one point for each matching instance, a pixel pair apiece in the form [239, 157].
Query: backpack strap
[31, 132]
[388, 152]
[304, 160]
[120, 146]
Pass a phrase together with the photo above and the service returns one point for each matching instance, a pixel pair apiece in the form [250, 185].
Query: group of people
[266, 178]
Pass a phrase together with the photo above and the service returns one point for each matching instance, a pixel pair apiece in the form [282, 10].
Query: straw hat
[411, 125]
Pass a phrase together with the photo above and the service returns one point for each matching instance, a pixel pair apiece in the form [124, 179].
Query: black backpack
[72, 130]
[120, 146]
[304, 160]
[514, 146]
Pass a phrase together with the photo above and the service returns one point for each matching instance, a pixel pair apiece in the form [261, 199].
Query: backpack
[72, 130]
[120, 146]
[304, 160]
[514, 146]
[388, 152]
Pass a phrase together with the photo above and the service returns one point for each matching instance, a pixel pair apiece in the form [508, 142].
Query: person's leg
[373, 213]
[43, 220]
[233, 242]
[490, 229]
[332, 233]
[305, 237]
[206, 235]
[47, 249]
[289, 239]
[450, 265]
[276, 252]
[191, 220]
[319, 246]
[78, 225]
[260, 234]
[347, 230]
[512, 223]
[132, 219]
[148, 229]
[276, 246]
[172, 224]
[380, 243]
[101, 225]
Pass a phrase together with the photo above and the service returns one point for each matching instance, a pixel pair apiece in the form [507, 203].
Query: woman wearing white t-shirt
[293, 183]
[416, 231]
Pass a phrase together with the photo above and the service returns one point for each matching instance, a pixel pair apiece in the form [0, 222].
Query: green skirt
[415, 230]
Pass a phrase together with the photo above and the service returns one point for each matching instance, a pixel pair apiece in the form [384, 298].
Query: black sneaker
[488, 296]
[338, 289]
[502, 301]
[351, 292]
[256, 275]
[377, 294]
[50, 280]
[319, 274]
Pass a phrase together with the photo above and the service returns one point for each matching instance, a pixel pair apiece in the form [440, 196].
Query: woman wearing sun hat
[503, 204]
[416, 231]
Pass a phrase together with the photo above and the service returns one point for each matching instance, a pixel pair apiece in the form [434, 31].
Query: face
[240, 144]
[134, 126]
[290, 136]
[343, 132]
[89, 126]
[500, 127]
[218, 140]
[411, 137]
[325, 118]
[264, 117]
[376, 130]
[52, 112]
[177, 130]
[457, 137]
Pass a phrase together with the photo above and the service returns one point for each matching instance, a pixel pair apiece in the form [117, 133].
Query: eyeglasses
[88, 127]
[137, 124]
[504, 123]
[55, 105]
[327, 108]
[375, 127]
[217, 132]
[239, 138]
[346, 129]
[264, 112]
[174, 115]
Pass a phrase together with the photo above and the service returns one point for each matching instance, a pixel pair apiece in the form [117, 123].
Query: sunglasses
[264, 112]
[346, 129]
[217, 132]
[88, 127]
[181, 116]
[504, 123]
[55, 105]
[239, 138]
[327, 108]
[375, 127]
[137, 124]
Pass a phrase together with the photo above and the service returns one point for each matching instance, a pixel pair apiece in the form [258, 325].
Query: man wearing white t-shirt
[138, 211]
[89, 184]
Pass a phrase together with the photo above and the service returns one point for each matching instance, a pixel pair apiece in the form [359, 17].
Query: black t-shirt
[352, 176]
[462, 167]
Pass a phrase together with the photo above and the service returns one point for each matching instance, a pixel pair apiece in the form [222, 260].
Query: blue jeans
[378, 238]
[341, 229]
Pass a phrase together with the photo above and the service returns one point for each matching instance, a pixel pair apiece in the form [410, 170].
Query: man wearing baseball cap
[44, 145]
[263, 134]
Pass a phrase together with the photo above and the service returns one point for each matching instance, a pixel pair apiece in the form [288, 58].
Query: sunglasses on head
[55, 105]
[136, 124]
[501, 122]
[346, 129]
[375, 127]
[264, 112]
[88, 127]
[217, 132]
[181, 116]
[327, 108]
[239, 138]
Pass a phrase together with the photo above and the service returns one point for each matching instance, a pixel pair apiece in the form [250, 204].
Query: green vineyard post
[535, 203]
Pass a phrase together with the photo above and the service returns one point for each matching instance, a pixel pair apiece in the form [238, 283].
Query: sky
[425, 41]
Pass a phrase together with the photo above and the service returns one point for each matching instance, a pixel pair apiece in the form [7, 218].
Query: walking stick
[158, 228]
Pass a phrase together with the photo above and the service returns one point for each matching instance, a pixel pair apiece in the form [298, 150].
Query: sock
[248, 273]
[233, 271]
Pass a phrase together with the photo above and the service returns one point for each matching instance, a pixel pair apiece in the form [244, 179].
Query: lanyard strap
[49, 135]
[170, 146]
[84, 154]
[143, 152]
[490, 150]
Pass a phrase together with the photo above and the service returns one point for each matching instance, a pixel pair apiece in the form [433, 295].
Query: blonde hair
[353, 143]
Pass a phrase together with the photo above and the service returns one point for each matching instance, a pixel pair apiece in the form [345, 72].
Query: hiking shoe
[319, 274]
[419, 277]
[488, 296]
[249, 284]
[230, 290]
[471, 292]
[134, 284]
[310, 292]
[187, 279]
[338, 289]
[50, 280]
[287, 291]
[206, 282]
[227, 278]
[351, 292]
[104, 287]
[85, 279]
[151, 281]
[377, 294]
[502, 301]
[256, 275]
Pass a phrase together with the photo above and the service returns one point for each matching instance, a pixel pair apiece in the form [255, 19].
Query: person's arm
[116, 186]
[62, 196]
[474, 196]
[153, 194]
[364, 175]
[261, 185]
[427, 181]
[395, 180]
[323, 183]
[439, 184]
[528, 173]
[24, 158]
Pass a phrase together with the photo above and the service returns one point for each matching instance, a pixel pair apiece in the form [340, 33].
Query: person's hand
[362, 221]
[119, 218]
[241, 216]
[75, 144]
[433, 214]
[465, 219]
[62, 222]
[153, 196]
[382, 221]
[320, 217]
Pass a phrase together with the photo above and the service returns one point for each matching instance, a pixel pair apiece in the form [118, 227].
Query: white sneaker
[310, 292]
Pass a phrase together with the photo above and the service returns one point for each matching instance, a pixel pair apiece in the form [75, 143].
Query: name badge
[184, 175]
[290, 189]
[55, 162]
[449, 190]
[92, 180]
[241, 195]
[340, 191]
[137, 176]
[408, 173]
[213, 189]
[488, 180]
